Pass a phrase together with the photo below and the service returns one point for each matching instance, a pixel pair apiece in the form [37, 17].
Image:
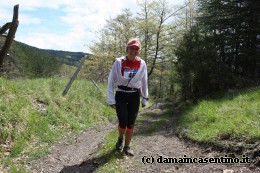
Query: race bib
[129, 73]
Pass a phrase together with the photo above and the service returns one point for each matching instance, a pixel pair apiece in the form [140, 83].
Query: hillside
[66, 57]
[30, 62]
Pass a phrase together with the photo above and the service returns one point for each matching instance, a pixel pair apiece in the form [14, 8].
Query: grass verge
[34, 115]
[233, 116]
[109, 158]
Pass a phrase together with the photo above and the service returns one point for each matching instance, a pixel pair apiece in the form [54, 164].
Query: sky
[63, 24]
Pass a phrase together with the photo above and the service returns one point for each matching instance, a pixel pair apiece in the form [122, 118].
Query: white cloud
[73, 40]
[80, 19]
[34, 4]
[92, 14]
[27, 19]
[5, 16]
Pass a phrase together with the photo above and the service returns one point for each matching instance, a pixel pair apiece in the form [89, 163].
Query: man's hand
[144, 102]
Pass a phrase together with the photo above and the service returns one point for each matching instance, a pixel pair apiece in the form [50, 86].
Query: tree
[33, 64]
[110, 44]
[221, 50]
[154, 26]
[235, 30]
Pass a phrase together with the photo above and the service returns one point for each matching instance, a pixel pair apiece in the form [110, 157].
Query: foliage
[221, 50]
[198, 71]
[151, 27]
[110, 44]
[235, 36]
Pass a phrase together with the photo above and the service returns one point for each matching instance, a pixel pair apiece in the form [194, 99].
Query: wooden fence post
[11, 33]
[74, 75]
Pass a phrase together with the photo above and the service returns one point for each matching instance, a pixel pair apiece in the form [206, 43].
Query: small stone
[228, 171]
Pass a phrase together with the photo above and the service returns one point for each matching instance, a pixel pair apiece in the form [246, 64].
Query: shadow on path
[91, 165]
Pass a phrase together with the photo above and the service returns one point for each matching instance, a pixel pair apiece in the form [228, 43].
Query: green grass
[234, 115]
[109, 158]
[34, 114]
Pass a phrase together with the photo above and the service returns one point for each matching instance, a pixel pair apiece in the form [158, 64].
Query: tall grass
[34, 114]
[230, 116]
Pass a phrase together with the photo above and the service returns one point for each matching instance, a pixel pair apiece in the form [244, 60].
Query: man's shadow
[91, 165]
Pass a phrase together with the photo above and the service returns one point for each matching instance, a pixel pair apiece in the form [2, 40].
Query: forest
[191, 50]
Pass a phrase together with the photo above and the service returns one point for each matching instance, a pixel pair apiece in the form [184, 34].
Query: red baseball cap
[135, 43]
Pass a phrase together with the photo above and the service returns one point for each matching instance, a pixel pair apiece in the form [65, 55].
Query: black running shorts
[127, 107]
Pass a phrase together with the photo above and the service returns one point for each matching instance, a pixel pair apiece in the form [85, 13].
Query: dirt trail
[73, 153]
[81, 155]
[165, 143]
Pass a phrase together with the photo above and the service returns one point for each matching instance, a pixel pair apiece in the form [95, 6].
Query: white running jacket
[115, 79]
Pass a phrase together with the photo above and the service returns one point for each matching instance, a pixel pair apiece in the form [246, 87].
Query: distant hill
[31, 62]
[65, 57]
